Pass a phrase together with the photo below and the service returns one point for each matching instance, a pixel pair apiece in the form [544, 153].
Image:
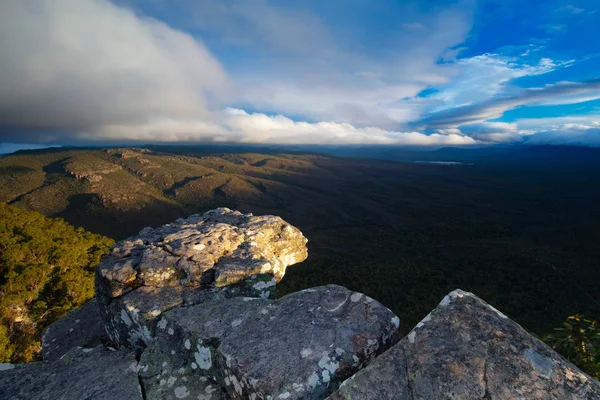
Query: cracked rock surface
[175, 264]
[82, 373]
[301, 346]
[466, 349]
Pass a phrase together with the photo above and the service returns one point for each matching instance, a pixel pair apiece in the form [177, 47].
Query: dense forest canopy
[46, 270]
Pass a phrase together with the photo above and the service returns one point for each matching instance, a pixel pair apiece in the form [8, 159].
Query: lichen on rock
[177, 263]
[301, 346]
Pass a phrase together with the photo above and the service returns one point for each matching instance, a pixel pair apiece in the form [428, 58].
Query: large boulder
[82, 327]
[466, 349]
[301, 346]
[177, 263]
[82, 373]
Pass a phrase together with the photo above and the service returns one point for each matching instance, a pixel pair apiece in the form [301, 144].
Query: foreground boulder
[175, 264]
[301, 346]
[83, 373]
[466, 349]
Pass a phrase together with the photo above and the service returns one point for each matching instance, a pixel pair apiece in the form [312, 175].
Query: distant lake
[443, 162]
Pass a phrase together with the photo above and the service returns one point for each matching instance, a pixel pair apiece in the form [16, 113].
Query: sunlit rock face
[466, 349]
[221, 253]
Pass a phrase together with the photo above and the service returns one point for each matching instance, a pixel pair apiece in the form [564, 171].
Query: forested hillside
[525, 239]
[46, 270]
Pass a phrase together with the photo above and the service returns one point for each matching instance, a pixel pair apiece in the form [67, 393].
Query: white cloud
[262, 128]
[74, 65]
[89, 70]
[359, 80]
[90, 67]
[570, 9]
[484, 76]
[568, 135]
[559, 93]
[241, 127]
[571, 130]
[260, 25]
[494, 132]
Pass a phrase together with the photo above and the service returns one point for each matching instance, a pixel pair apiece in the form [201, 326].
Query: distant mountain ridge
[496, 154]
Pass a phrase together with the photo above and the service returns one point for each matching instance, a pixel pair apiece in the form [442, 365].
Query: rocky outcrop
[222, 252]
[466, 349]
[90, 171]
[195, 299]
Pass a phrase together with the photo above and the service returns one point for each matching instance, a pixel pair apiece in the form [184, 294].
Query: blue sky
[437, 73]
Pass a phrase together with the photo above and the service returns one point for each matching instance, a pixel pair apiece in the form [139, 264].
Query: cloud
[82, 65]
[494, 132]
[582, 130]
[571, 130]
[568, 136]
[262, 128]
[260, 25]
[559, 93]
[238, 126]
[484, 76]
[569, 9]
[347, 75]
[93, 71]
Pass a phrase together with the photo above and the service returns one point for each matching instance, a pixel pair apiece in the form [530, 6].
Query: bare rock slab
[162, 268]
[81, 327]
[301, 346]
[466, 349]
[82, 373]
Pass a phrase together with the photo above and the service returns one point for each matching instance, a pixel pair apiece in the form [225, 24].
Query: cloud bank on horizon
[420, 73]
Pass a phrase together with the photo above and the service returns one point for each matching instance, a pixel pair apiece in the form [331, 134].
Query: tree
[578, 340]
[46, 270]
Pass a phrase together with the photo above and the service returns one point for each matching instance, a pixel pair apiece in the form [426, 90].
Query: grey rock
[160, 268]
[82, 373]
[166, 375]
[131, 319]
[301, 346]
[466, 349]
[81, 327]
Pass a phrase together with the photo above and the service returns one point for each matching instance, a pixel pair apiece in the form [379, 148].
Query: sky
[410, 73]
